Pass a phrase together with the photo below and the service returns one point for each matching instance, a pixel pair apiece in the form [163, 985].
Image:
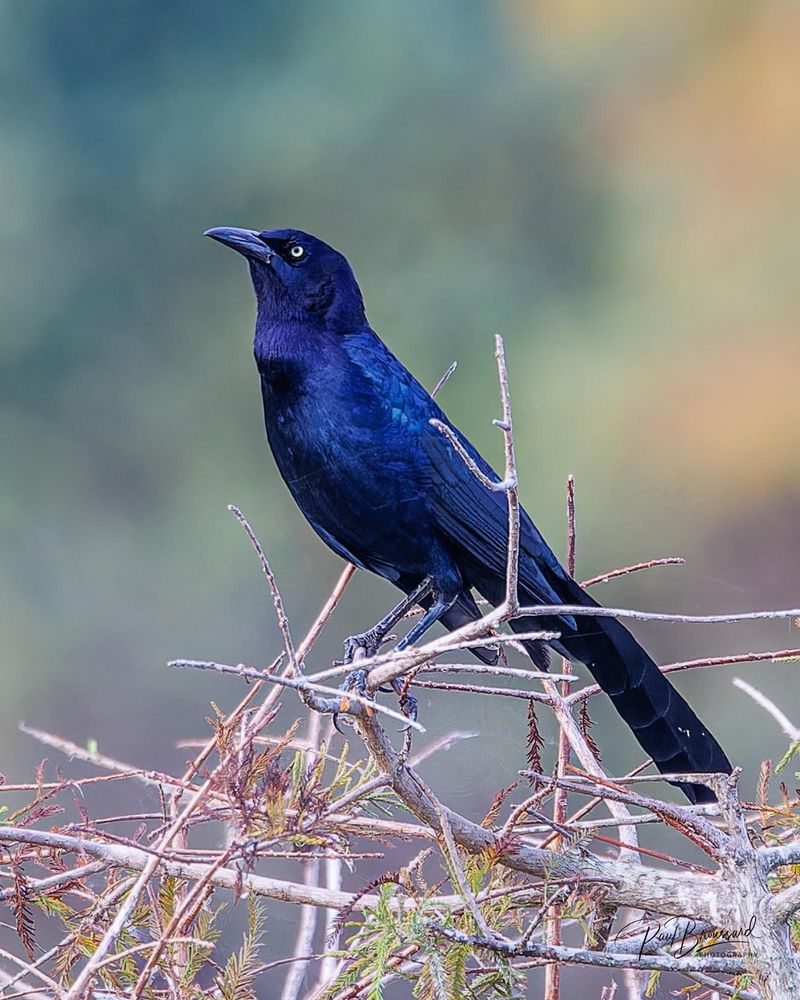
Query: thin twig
[444, 378]
[496, 486]
[45, 957]
[40, 886]
[147, 946]
[277, 600]
[553, 913]
[112, 932]
[30, 969]
[304, 937]
[512, 492]
[381, 781]
[603, 959]
[451, 853]
[492, 669]
[307, 688]
[555, 610]
[635, 568]
[592, 765]
[775, 656]
[332, 933]
[482, 689]
[76, 752]
[307, 923]
[558, 897]
[769, 706]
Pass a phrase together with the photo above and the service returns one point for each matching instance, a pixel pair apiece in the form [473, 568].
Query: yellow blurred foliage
[699, 130]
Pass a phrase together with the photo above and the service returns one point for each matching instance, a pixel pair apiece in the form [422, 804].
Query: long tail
[659, 717]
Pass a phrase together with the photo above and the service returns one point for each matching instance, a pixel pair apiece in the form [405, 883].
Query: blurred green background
[614, 186]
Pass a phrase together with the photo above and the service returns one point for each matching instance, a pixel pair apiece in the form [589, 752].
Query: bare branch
[565, 731]
[550, 610]
[277, 600]
[30, 969]
[512, 493]
[304, 939]
[491, 484]
[603, 959]
[123, 913]
[291, 798]
[635, 568]
[444, 379]
[76, 752]
[136, 859]
[775, 656]
[358, 703]
[627, 884]
[769, 706]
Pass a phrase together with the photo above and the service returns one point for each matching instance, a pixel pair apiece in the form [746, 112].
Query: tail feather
[660, 718]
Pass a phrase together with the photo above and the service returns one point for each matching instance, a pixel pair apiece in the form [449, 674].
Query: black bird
[350, 431]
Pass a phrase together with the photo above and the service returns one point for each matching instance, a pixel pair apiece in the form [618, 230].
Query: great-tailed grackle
[350, 431]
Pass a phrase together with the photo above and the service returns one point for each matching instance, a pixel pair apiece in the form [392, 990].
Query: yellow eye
[297, 252]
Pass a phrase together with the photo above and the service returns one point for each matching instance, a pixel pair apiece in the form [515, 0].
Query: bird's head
[297, 278]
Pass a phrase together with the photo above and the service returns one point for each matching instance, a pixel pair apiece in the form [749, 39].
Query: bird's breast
[282, 380]
[344, 457]
[348, 444]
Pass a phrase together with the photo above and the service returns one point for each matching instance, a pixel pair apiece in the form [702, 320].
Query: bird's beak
[244, 241]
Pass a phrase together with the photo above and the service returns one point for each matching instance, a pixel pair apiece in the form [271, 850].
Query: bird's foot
[410, 707]
[368, 642]
[408, 703]
[355, 681]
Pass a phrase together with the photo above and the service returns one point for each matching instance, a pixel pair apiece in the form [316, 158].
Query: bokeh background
[614, 186]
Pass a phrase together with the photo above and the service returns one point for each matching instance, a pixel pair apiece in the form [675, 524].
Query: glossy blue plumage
[349, 427]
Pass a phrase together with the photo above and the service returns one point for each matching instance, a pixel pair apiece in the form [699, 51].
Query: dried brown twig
[508, 886]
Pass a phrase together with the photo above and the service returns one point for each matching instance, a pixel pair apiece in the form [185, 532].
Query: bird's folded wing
[469, 514]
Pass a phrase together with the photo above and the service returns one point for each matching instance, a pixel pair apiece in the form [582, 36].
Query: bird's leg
[372, 640]
[440, 606]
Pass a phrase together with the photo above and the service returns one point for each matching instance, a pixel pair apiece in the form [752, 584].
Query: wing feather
[476, 518]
